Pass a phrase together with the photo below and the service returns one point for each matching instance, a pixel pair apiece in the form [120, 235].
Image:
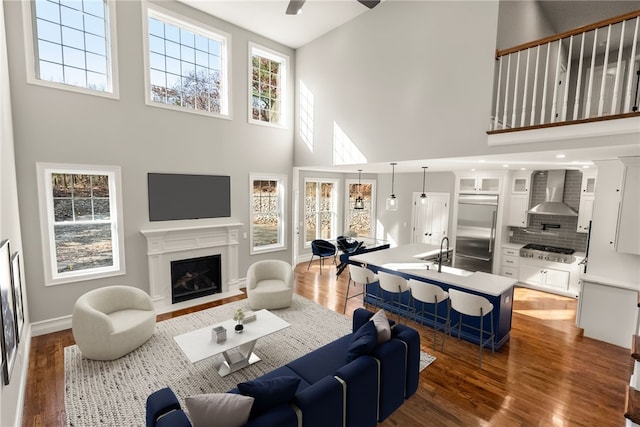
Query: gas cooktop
[548, 253]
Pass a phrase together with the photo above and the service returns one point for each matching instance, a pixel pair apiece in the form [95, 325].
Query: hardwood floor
[548, 374]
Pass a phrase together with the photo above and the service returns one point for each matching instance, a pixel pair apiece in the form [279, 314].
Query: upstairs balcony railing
[587, 74]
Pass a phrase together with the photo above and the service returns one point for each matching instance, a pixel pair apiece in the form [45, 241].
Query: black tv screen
[182, 196]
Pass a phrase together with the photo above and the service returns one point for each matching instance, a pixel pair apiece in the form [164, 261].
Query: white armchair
[110, 322]
[270, 284]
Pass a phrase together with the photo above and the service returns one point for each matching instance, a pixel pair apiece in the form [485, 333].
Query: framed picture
[16, 280]
[9, 341]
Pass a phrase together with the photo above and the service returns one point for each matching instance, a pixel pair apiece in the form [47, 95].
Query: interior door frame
[415, 198]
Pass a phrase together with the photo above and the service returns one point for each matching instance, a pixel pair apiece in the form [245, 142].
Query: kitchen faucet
[440, 253]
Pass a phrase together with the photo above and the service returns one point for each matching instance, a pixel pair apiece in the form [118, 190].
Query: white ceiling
[267, 18]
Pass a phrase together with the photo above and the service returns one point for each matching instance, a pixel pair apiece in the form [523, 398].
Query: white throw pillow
[382, 326]
[219, 409]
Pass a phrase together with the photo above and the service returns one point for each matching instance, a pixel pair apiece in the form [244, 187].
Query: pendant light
[392, 201]
[423, 196]
[359, 201]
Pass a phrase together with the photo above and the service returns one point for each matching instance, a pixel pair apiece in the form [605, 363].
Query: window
[268, 74]
[186, 65]
[81, 220]
[320, 209]
[306, 116]
[267, 212]
[361, 222]
[71, 45]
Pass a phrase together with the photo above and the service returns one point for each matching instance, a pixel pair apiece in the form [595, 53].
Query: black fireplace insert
[195, 277]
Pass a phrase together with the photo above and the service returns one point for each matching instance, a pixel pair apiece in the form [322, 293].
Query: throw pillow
[383, 328]
[219, 409]
[269, 392]
[363, 341]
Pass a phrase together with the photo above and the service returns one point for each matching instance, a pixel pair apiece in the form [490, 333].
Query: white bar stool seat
[426, 293]
[395, 285]
[360, 275]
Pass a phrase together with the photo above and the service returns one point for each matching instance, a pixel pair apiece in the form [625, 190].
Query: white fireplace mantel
[177, 240]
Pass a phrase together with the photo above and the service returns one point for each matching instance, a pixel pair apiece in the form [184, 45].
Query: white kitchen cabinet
[521, 182]
[585, 212]
[587, 197]
[479, 184]
[628, 230]
[509, 262]
[548, 275]
[518, 206]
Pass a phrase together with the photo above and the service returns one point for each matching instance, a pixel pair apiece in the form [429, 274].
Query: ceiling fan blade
[369, 3]
[295, 7]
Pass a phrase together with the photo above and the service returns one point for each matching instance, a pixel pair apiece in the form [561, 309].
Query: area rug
[114, 393]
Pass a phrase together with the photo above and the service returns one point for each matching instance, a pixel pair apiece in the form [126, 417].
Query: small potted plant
[238, 317]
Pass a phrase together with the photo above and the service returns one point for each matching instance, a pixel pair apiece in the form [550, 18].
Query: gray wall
[399, 79]
[59, 126]
[10, 402]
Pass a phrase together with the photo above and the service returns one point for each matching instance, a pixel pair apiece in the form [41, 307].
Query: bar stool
[361, 275]
[426, 293]
[475, 306]
[395, 285]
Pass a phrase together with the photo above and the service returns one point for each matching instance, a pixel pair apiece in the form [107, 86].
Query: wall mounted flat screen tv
[182, 196]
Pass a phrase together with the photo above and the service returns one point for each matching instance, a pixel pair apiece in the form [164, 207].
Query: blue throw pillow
[269, 392]
[363, 341]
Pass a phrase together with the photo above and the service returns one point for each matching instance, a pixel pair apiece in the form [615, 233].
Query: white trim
[284, 78]
[282, 199]
[180, 21]
[45, 203]
[112, 55]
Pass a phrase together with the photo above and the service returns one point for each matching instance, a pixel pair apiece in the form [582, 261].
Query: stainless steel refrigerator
[476, 232]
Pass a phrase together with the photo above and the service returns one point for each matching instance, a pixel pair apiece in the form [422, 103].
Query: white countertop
[407, 259]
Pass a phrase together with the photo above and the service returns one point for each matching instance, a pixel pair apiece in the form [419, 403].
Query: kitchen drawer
[510, 261]
[511, 252]
[509, 272]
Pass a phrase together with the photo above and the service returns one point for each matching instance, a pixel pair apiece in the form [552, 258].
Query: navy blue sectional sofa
[332, 391]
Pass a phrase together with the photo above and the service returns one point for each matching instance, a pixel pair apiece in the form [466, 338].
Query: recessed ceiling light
[505, 166]
[473, 170]
[560, 156]
[523, 169]
[585, 167]
[481, 161]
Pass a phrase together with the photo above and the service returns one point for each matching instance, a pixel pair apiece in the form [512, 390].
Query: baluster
[495, 116]
[567, 78]
[506, 93]
[587, 112]
[555, 86]
[576, 105]
[534, 95]
[627, 103]
[605, 67]
[543, 111]
[616, 82]
[515, 92]
[526, 86]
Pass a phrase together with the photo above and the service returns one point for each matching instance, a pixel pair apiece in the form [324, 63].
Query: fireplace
[195, 277]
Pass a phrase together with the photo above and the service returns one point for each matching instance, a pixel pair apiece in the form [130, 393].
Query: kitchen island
[409, 262]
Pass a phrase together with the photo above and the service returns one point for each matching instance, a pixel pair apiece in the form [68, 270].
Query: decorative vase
[239, 327]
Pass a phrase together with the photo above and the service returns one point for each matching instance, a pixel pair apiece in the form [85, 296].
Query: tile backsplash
[566, 236]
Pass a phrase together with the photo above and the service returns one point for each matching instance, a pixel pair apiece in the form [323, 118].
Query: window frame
[284, 78]
[47, 222]
[150, 10]
[28, 18]
[334, 212]
[348, 204]
[282, 199]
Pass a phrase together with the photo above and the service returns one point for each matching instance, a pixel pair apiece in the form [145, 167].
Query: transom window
[320, 209]
[268, 72]
[267, 212]
[81, 221]
[187, 65]
[73, 44]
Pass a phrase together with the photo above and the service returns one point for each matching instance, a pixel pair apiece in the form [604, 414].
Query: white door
[430, 219]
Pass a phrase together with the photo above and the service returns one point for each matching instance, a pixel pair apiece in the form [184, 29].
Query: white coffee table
[237, 349]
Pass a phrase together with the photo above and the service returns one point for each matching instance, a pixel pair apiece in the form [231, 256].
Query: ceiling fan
[295, 6]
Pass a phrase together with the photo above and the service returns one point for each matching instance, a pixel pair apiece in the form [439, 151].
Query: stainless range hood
[553, 204]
